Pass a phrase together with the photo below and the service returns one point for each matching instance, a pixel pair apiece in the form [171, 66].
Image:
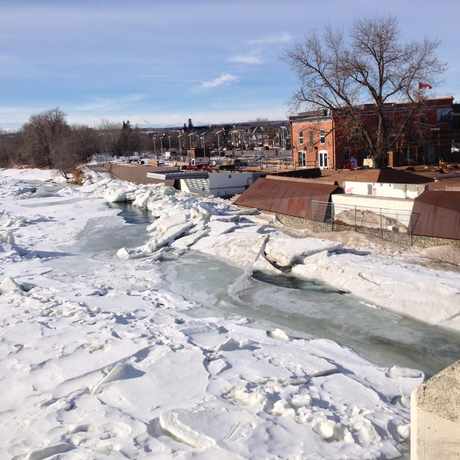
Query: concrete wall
[410, 191]
[391, 208]
[435, 417]
[133, 173]
[229, 183]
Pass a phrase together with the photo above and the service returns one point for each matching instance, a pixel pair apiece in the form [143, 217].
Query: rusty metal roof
[285, 195]
[437, 214]
[448, 184]
[384, 175]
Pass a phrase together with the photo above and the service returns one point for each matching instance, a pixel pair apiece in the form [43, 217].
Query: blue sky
[158, 62]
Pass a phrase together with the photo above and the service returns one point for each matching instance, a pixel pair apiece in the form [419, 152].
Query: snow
[100, 359]
[217, 228]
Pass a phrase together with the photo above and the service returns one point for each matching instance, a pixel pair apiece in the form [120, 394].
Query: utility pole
[203, 144]
[180, 143]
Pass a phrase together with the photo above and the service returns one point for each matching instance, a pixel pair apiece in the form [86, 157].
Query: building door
[322, 159]
[301, 158]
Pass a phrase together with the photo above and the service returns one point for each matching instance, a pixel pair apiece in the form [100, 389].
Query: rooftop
[384, 175]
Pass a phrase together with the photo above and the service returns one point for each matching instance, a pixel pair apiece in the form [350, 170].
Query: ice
[170, 423]
[278, 334]
[285, 250]
[101, 359]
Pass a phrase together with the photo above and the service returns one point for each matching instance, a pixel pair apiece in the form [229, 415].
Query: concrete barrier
[435, 417]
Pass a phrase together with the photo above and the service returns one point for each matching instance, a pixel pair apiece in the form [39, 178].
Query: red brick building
[319, 139]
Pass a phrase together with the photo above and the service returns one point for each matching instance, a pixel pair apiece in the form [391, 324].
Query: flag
[424, 85]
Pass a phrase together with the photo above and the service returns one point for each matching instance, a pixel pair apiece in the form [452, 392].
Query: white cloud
[284, 37]
[222, 79]
[250, 59]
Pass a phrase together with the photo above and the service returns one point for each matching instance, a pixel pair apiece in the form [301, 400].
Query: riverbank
[101, 359]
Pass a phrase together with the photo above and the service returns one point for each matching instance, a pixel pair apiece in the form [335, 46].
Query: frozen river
[168, 352]
[306, 308]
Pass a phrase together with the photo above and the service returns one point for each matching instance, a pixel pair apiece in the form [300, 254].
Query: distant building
[319, 139]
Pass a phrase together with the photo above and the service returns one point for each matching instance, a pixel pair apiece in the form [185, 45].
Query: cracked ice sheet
[99, 361]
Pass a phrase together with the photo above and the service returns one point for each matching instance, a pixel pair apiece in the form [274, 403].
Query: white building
[378, 198]
[223, 183]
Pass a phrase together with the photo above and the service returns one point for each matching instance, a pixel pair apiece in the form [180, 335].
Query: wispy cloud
[249, 59]
[277, 39]
[221, 80]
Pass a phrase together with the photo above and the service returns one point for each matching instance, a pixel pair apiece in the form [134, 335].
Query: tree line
[47, 140]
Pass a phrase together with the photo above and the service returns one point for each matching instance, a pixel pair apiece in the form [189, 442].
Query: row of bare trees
[47, 140]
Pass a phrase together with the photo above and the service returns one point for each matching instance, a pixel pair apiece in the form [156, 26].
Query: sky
[159, 62]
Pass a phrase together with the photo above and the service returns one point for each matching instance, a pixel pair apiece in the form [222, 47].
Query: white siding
[377, 189]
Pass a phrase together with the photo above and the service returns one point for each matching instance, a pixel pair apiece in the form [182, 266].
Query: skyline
[158, 65]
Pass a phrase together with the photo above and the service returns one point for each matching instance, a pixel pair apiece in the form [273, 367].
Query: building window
[311, 138]
[301, 138]
[322, 136]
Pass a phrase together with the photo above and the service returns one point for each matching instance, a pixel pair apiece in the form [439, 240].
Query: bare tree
[9, 148]
[74, 149]
[129, 140]
[41, 136]
[109, 133]
[371, 66]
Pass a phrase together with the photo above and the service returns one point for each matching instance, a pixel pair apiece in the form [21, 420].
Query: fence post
[332, 216]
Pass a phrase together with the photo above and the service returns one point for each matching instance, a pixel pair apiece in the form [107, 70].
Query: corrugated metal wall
[437, 214]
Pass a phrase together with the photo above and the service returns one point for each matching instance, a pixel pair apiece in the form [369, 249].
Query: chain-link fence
[388, 224]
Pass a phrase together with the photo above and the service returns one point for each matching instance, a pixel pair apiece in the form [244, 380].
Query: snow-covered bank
[217, 228]
[100, 360]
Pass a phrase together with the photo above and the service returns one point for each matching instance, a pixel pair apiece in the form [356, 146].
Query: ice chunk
[10, 285]
[286, 250]
[396, 372]
[278, 334]
[170, 423]
[118, 195]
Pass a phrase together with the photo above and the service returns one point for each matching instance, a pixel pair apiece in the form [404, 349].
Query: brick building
[320, 138]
